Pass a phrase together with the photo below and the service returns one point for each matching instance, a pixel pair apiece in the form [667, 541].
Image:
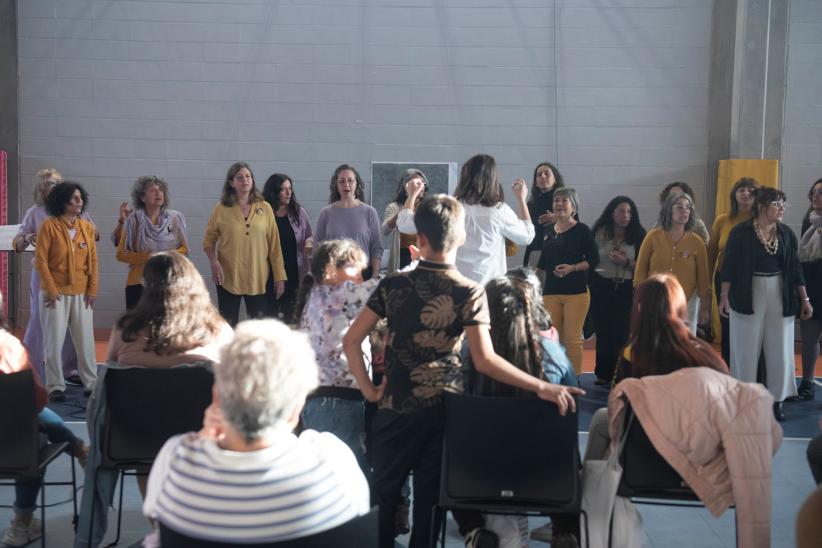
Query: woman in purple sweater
[348, 216]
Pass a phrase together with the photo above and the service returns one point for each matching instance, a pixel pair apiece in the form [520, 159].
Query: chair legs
[438, 523]
[43, 510]
[119, 510]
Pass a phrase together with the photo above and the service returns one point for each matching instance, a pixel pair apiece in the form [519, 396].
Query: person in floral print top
[330, 297]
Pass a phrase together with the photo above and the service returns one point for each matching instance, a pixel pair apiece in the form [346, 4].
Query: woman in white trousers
[763, 289]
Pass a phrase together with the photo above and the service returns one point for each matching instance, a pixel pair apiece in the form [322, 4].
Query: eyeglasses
[816, 191]
[349, 180]
[779, 204]
[681, 207]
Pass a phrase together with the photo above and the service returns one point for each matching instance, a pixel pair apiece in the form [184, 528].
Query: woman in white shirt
[489, 220]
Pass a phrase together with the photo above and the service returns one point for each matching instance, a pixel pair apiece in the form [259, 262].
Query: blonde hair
[41, 183]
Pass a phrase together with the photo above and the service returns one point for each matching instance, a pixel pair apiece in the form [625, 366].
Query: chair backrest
[20, 446]
[509, 452]
[645, 473]
[360, 532]
[145, 407]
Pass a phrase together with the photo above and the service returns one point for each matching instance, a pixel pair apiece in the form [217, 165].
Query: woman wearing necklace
[741, 200]
[763, 288]
[567, 252]
[674, 247]
[243, 225]
[618, 234]
[149, 228]
[66, 260]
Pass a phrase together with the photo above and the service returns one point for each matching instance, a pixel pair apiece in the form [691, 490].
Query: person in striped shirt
[246, 478]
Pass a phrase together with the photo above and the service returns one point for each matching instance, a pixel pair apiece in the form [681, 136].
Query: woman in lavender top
[44, 181]
[296, 241]
[348, 216]
[150, 227]
[331, 296]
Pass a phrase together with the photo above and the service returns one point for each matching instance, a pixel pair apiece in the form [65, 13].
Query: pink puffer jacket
[717, 432]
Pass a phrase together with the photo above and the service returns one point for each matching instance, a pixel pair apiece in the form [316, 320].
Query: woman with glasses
[402, 239]
[348, 216]
[810, 255]
[674, 247]
[741, 200]
[241, 242]
[763, 288]
[151, 226]
[44, 181]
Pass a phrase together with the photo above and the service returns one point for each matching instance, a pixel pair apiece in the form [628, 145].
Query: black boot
[777, 411]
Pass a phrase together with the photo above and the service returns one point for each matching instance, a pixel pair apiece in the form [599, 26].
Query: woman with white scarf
[150, 227]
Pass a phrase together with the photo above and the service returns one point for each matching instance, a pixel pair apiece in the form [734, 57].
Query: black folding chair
[21, 453]
[144, 408]
[507, 456]
[647, 478]
[360, 532]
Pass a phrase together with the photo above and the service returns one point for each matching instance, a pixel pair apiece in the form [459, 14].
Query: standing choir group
[398, 341]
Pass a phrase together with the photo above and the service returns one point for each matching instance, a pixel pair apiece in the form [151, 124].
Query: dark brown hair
[744, 182]
[175, 307]
[764, 196]
[479, 182]
[271, 194]
[359, 191]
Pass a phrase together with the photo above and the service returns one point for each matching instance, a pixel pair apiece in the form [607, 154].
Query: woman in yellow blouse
[674, 247]
[742, 199]
[244, 227]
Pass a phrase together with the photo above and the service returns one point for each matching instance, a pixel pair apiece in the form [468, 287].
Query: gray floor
[664, 527]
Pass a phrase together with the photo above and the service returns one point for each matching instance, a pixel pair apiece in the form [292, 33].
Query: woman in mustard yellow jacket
[241, 241]
[66, 260]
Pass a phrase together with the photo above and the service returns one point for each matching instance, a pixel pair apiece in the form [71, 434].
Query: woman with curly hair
[618, 235]
[242, 242]
[66, 260]
[348, 217]
[150, 227]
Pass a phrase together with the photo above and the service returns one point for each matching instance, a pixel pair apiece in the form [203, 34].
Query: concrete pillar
[749, 50]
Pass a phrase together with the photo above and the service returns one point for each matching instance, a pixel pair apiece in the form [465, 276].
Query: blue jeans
[343, 418]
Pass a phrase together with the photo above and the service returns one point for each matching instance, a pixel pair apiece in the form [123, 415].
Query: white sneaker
[21, 533]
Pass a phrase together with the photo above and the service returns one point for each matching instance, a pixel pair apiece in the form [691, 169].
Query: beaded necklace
[772, 246]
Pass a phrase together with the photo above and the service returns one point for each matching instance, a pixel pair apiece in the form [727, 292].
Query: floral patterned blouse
[328, 314]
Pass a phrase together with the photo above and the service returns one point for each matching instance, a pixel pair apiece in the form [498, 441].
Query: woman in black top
[547, 179]
[618, 235]
[763, 288]
[295, 241]
[567, 252]
[810, 256]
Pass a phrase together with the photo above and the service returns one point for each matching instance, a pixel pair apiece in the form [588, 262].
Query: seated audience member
[255, 481]
[173, 324]
[174, 321]
[718, 433]
[14, 358]
[521, 333]
[331, 296]
[808, 524]
[430, 311]
[814, 454]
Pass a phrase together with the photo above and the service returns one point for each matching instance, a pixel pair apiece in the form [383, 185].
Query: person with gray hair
[151, 226]
[201, 483]
[674, 247]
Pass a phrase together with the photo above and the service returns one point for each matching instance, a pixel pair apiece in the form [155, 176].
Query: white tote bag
[600, 479]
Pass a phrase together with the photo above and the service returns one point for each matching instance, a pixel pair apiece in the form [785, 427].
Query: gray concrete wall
[615, 92]
[9, 138]
[802, 148]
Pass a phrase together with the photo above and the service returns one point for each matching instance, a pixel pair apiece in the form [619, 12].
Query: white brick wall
[802, 138]
[111, 90]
